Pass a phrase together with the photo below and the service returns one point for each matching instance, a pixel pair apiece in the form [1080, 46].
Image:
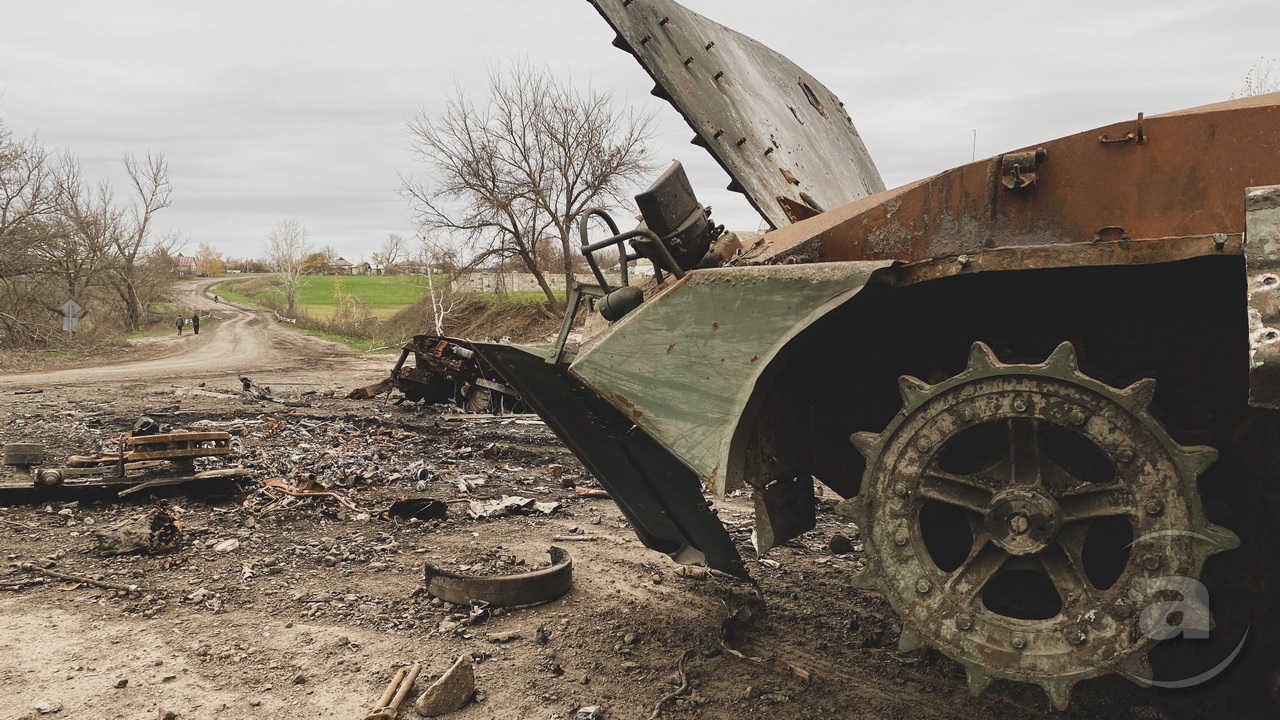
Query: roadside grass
[397, 306]
[363, 345]
[522, 298]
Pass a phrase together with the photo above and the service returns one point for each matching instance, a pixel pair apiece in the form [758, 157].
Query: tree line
[63, 237]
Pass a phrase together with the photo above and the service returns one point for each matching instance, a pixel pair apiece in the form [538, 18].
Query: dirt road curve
[237, 340]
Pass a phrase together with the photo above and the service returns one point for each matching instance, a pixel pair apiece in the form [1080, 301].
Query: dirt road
[233, 339]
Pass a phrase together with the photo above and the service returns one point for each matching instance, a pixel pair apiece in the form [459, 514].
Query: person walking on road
[195, 323]
[179, 322]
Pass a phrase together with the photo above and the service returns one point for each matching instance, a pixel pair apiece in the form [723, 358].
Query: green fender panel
[683, 366]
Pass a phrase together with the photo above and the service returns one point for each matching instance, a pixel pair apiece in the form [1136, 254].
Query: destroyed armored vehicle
[1045, 384]
[445, 370]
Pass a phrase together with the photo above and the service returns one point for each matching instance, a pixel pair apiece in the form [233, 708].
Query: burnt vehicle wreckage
[445, 370]
[144, 459]
[1045, 383]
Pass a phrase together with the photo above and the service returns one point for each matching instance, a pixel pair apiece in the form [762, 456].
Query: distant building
[340, 266]
[365, 268]
[185, 264]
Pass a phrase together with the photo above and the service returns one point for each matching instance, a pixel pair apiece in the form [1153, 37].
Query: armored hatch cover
[782, 136]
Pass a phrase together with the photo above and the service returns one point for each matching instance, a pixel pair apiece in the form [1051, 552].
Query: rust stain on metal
[715, 326]
[969, 210]
[637, 414]
[997, 653]
[671, 347]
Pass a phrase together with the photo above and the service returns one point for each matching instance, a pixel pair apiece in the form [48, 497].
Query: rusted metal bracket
[1137, 137]
[1018, 170]
[1262, 270]
[528, 588]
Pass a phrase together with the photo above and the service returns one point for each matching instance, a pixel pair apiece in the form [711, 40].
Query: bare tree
[1259, 80]
[518, 172]
[63, 238]
[432, 256]
[134, 281]
[287, 247]
[32, 191]
[393, 249]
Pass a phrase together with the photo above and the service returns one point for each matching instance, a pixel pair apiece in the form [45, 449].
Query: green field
[384, 295]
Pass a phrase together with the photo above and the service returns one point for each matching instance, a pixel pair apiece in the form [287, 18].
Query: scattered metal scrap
[531, 588]
[143, 460]
[395, 694]
[445, 370]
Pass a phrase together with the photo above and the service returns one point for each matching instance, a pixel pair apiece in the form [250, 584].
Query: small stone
[166, 715]
[299, 679]
[452, 691]
[47, 707]
[629, 638]
[122, 682]
[585, 679]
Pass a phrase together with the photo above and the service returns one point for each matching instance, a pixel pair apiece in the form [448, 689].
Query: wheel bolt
[1154, 507]
[966, 415]
[923, 586]
[1151, 562]
[1018, 641]
[1124, 609]
[900, 489]
[900, 537]
[923, 445]
[1125, 455]
[1078, 417]
[1020, 405]
[1075, 636]
[964, 622]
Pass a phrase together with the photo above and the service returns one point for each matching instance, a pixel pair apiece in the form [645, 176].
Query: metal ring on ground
[529, 588]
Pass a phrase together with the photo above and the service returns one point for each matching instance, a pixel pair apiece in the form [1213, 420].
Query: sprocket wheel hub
[1023, 518]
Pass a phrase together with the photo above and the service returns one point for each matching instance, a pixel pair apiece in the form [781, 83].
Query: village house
[185, 265]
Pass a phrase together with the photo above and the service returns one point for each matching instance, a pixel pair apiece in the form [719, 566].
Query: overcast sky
[269, 110]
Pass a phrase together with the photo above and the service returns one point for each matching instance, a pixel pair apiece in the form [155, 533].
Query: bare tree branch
[511, 178]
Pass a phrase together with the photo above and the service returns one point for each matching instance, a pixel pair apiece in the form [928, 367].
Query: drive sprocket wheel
[1026, 519]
